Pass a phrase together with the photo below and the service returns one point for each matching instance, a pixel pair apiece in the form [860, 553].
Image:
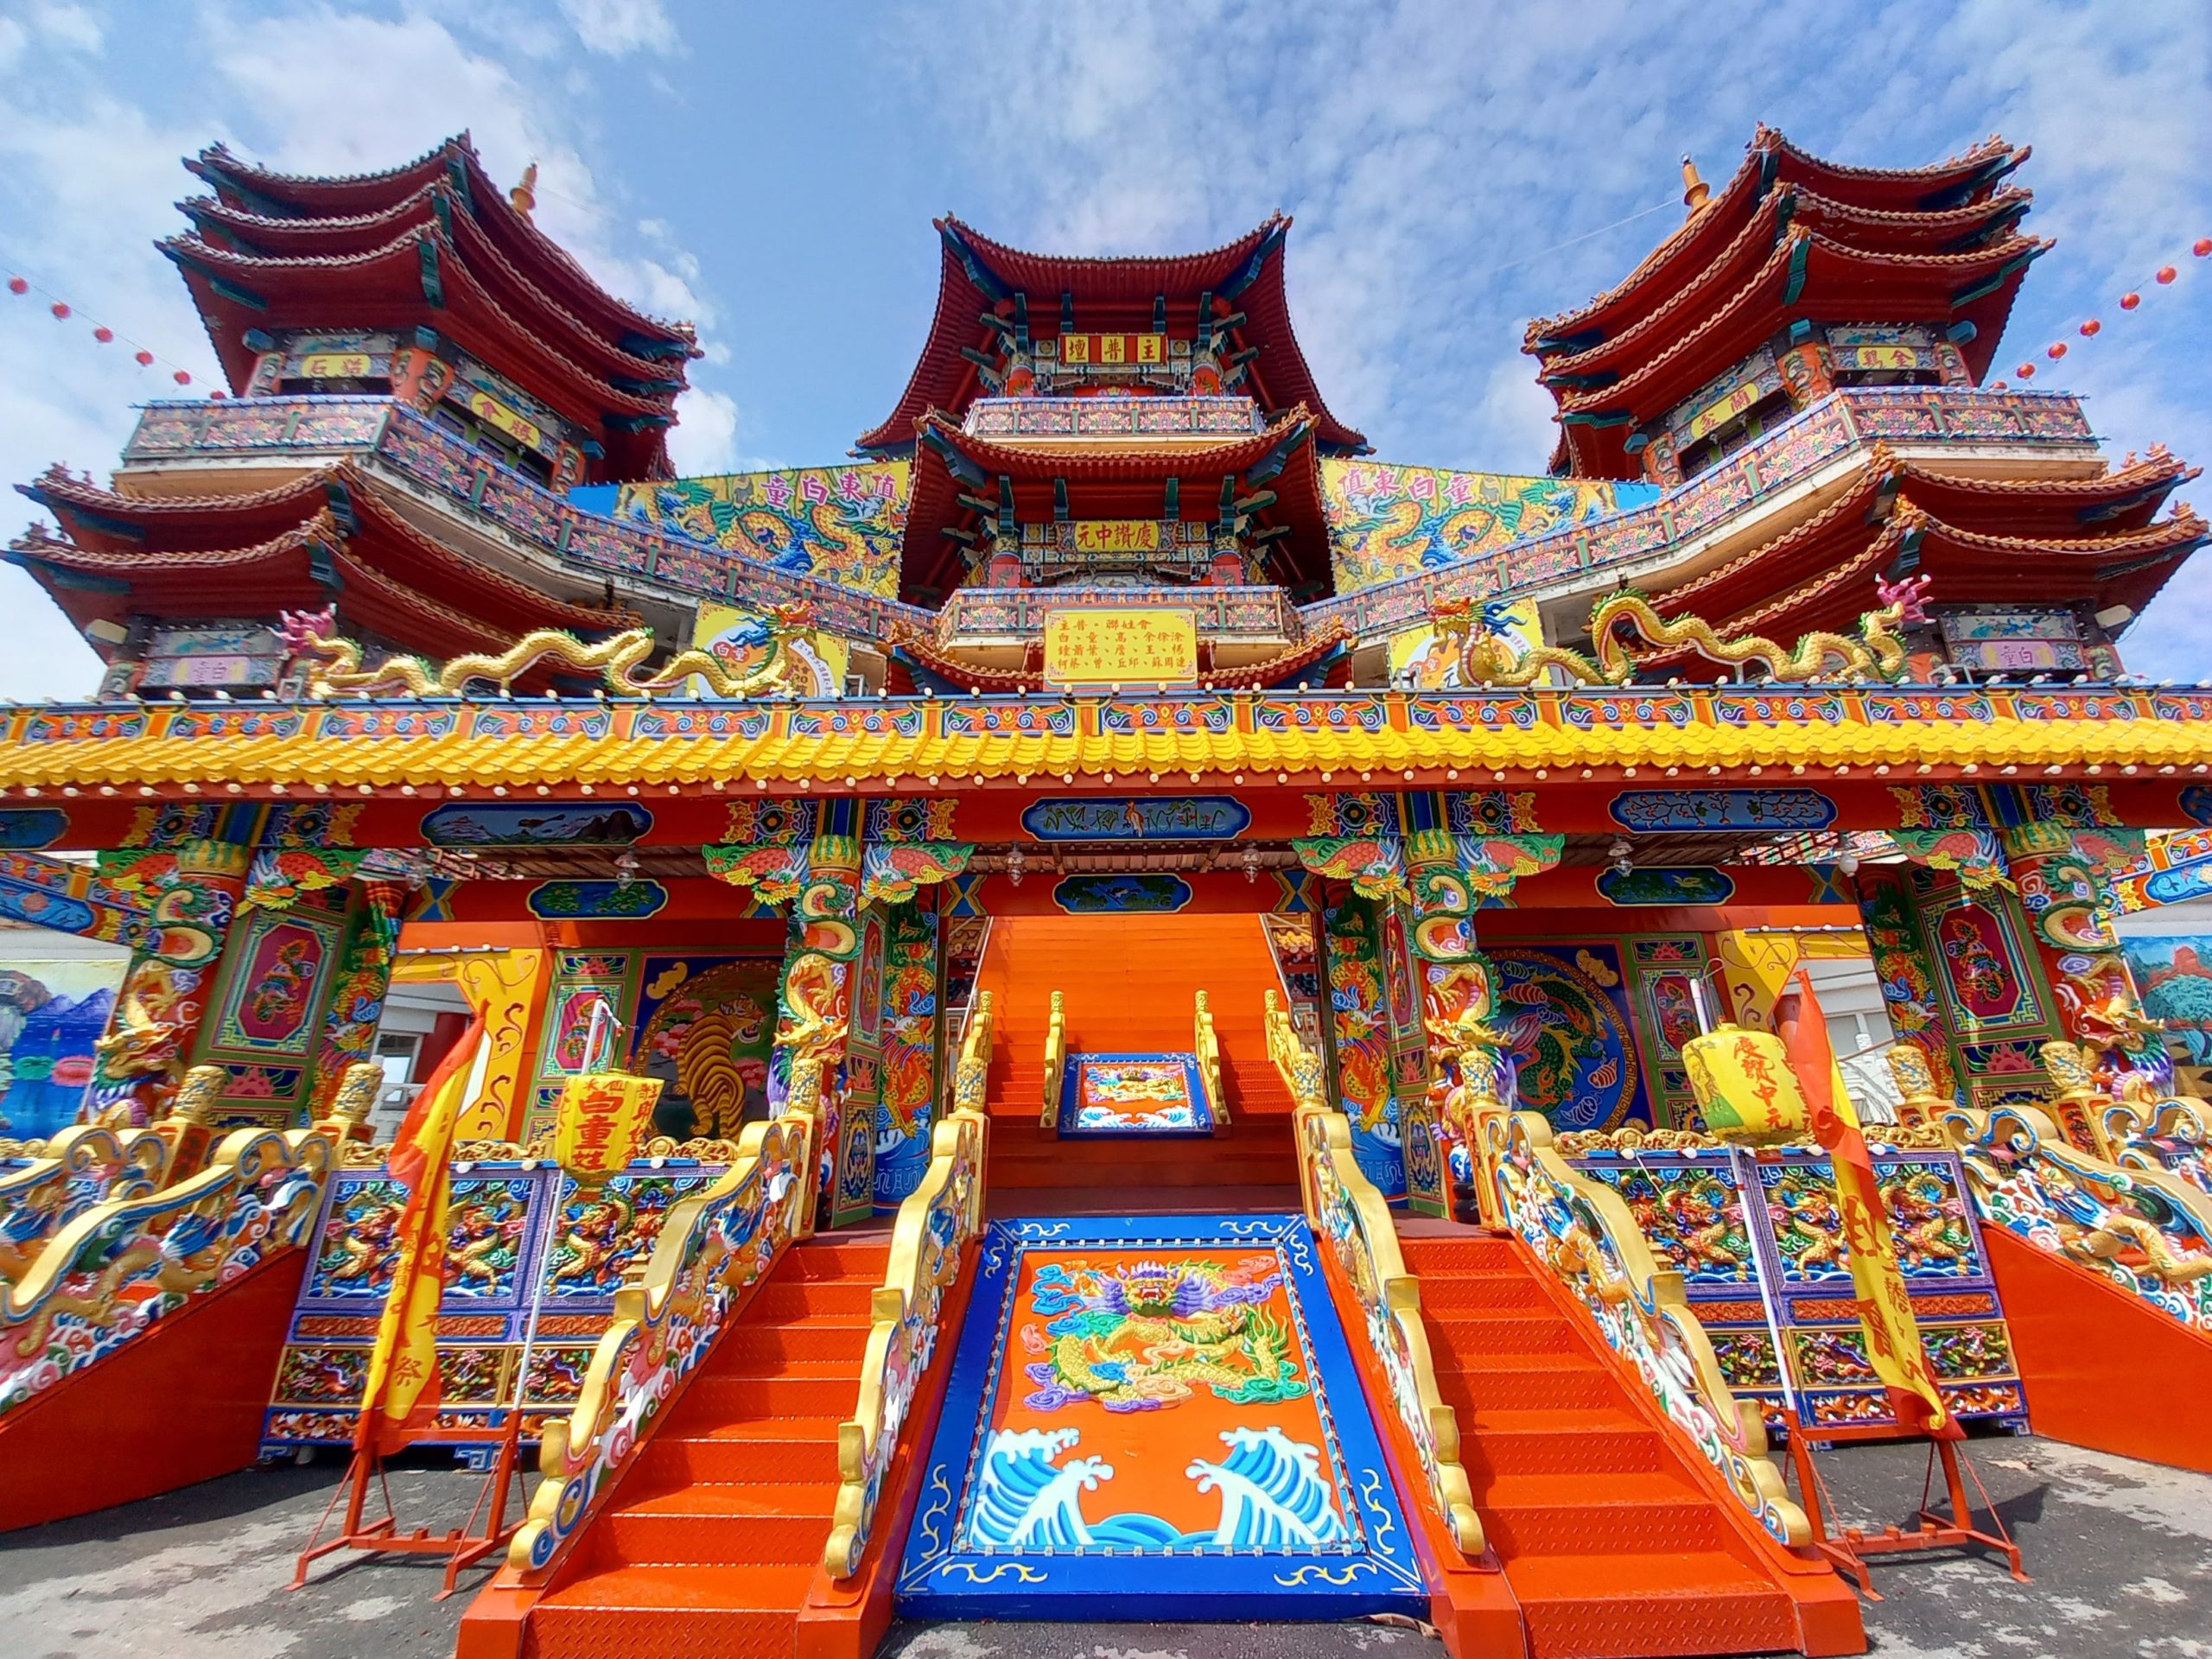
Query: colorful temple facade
[1179, 959]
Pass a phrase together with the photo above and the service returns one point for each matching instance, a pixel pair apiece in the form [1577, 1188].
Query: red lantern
[59, 309]
[2202, 246]
[182, 377]
[2090, 328]
[2058, 350]
[103, 334]
[1996, 385]
[2166, 274]
[218, 394]
[2026, 370]
[2128, 301]
[17, 285]
[145, 358]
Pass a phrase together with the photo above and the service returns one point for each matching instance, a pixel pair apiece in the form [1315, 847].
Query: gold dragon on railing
[334, 664]
[1345, 1208]
[1586, 1234]
[1056, 1058]
[133, 1260]
[713, 1247]
[1488, 654]
[936, 1221]
[79, 1167]
[1206, 1044]
[971, 1071]
[2145, 1225]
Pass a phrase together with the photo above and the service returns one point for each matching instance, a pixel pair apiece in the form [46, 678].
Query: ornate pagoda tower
[417, 311]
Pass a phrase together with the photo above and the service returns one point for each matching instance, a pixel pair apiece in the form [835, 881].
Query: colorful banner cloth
[1155, 1418]
[1135, 1094]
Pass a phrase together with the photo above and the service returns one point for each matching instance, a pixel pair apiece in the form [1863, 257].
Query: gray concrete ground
[2121, 1553]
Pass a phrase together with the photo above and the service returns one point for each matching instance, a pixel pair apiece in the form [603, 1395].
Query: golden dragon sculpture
[334, 664]
[1487, 653]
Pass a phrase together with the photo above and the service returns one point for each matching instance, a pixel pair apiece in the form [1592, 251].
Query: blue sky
[771, 171]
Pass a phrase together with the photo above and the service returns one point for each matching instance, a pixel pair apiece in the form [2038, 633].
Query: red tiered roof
[289, 548]
[1787, 238]
[1983, 542]
[1112, 482]
[1109, 295]
[252, 236]
[257, 190]
[432, 243]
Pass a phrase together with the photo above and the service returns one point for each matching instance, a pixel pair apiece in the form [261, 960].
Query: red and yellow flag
[402, 1393]
[1893, 1343]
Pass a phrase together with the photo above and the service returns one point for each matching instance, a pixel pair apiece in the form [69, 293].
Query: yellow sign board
[490, 410]
[335, 365]
[1120, 647]
[1114, 349]
[1878, 357]
[601, 1120]
[1117, 535]
[1720, 413]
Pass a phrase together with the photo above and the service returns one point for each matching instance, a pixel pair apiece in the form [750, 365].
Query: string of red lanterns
[2165, 276]
[22, 287]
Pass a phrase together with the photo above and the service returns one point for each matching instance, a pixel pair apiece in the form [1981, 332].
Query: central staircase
[709, 1544]
[1612, 1540]
[1127, 982]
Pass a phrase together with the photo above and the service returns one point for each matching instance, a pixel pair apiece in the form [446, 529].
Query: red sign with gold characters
[1120, 647]
[601, 1120]
[1112, 350]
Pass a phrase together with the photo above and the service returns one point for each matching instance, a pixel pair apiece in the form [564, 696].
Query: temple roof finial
[1695, 191]
[525, 194]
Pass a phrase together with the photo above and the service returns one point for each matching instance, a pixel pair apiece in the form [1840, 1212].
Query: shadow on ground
[2121, 1553]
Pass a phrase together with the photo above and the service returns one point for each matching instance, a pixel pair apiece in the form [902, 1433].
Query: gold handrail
[714, 1247]
[1056, 1059]
[1207, 1047]
[1348, 1210]
[130, 1260]
[971, 1073]
[80, 1167]
[1586, 1234]
[936, 1221]
[2027, 1179]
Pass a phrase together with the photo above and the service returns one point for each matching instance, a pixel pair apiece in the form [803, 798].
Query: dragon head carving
[302, 632]
[1908, 596]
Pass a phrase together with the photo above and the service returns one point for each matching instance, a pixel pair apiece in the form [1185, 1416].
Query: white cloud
[705, 438]
[617, 27]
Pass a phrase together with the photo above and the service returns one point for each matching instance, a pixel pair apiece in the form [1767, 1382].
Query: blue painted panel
[615, 900]
[1684, 883]
[1125, 893]
[544, 823]
[1698, 810]
[982, 1491]
[1136, 817]
[23, 829]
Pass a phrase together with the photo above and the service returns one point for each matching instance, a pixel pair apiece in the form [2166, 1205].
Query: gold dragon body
[1486, 653]
[334, 664]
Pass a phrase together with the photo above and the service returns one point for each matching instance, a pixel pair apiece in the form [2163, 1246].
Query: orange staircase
[1130, 985]
[1131, 982]
[709, 1544]
[1613, 1539]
